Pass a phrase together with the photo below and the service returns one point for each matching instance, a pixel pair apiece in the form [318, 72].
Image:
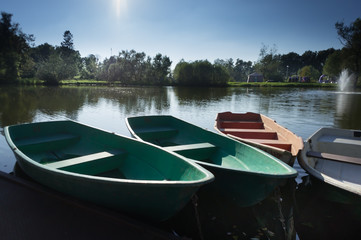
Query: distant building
[255, 77]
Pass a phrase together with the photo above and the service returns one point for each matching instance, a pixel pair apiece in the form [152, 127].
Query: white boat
[334, 157]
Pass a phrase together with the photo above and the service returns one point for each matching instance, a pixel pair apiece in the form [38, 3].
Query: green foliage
[269, 64]
[90, 67]
[51, 70]
[350, 36]
[309, 71]
[14, 46]
[241, 70]
[334, 64]
[200, 73]
[131, 67]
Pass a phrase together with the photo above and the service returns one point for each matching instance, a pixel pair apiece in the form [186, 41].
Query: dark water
[296, 210]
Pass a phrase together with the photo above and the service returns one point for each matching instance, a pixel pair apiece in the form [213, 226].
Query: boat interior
[86, 155]
[258, 129]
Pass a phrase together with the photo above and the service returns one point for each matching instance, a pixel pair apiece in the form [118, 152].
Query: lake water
[302, 213]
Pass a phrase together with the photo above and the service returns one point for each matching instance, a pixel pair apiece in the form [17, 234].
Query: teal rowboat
[243, 173]
[107, 169]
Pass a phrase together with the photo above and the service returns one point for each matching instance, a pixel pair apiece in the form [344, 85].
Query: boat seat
[244, 124]
[90, 164]
[244, 130]
[333, 139]
[265, 134]
[273, 142]
[334, 157]
[187, 147]
[197, 151]
[156, 132]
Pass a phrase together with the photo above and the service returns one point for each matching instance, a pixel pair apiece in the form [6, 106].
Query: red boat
[262, 132]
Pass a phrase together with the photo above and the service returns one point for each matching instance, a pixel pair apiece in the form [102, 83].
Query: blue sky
[185, 29]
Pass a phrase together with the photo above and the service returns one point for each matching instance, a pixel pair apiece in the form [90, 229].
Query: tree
[71, 58]
[290, 64]
[241, 70]
[333, 65]
[200, 73]
[51, 70]
[90, 67]
[350, 37]
[269, 64]
[14, 46]
[309, 72]
[161, 66]
[67, 43]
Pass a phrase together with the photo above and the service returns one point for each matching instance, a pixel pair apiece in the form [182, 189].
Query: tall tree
[68, 40]
[350, 37]
[333, 65]
[14, 46]
[269, 64]
[71, 58]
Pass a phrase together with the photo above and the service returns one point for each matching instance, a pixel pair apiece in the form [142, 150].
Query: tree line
[19, 59]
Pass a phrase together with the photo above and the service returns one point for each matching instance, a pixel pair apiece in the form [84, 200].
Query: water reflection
[303, 111]
[348, 110]
[319, 216]
[220, 219]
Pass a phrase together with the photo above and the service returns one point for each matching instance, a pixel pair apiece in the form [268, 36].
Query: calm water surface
[303, 111]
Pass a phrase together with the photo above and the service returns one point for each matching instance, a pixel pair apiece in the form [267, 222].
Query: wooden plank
[187, 147]
[244, 130]
[341, 140]
[334, 157]
[84, 159]
[245, 125]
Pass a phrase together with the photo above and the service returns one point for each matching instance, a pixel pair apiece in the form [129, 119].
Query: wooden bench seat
[270, 135]
[157, 132]
[87, 161]
[197, 151]
[273, 142]
[334, 157]
[245, 124]
[188, 147]
[333, 139]
[244, 130]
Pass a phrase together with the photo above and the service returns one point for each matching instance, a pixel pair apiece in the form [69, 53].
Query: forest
[20, 59]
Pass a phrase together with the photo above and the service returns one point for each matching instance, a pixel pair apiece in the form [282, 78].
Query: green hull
[243, 173]
[107, 169]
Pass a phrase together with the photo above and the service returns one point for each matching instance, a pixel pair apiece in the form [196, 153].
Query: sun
[120, 7]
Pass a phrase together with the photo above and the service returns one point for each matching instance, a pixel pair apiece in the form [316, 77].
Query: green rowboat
[243, 173]
[107, 169]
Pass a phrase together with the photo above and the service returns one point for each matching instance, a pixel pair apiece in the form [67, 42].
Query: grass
[76, 81]
[83, 82]
[280, 84]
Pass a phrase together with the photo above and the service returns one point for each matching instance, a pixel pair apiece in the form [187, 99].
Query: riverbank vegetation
[21, 61]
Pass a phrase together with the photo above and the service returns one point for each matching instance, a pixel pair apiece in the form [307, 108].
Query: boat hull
[156, 191]
[333, 156]
[243, 173]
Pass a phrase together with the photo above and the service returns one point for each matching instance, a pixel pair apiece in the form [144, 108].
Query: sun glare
[120, 7]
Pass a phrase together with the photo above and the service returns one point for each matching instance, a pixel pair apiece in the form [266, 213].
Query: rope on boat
[195, 205]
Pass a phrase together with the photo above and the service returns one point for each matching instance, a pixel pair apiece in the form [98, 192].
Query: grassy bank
[230, 84]
[281, 84]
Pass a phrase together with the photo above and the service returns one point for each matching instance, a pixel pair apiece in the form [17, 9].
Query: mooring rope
[195, 205]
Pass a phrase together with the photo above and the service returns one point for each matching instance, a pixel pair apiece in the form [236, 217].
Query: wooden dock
[31, 211]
